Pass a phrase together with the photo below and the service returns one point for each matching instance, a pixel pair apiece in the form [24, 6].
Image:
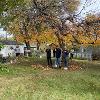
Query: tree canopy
[34, 17]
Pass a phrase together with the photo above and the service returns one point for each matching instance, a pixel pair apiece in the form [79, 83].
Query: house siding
[6, 51]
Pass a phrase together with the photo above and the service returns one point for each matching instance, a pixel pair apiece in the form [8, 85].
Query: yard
[21, 81]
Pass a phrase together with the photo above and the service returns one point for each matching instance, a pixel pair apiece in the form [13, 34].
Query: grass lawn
[21, 81]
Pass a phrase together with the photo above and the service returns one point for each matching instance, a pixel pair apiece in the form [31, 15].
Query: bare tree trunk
[60, 41]
[38, 45]
[28, 48]
[25, 32]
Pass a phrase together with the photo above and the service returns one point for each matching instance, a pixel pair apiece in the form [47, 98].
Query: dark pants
[65, 62]
[58, 62]
[17, 54]
[4, 60]
[49, 61]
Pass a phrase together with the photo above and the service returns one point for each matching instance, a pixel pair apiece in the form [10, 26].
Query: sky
[2, 33]
[92, 6]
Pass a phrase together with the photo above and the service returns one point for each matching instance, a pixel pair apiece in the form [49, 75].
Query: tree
[54, 14]
[91, 27]
[44, 38]
[15, 19]
[42, 14]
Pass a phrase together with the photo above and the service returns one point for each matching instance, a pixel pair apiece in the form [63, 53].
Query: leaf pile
[39, 66]
[74, 66]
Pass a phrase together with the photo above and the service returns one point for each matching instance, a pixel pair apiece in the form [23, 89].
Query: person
[12, 52]
[48, 54]
[71, 55]
[17, 50]
[12, 55]
[58, 56]
[65, 55]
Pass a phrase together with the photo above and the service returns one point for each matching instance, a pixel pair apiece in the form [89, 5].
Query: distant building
[8, 48]
[89, 52]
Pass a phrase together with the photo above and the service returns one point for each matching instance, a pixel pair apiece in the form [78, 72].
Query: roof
[9, 42]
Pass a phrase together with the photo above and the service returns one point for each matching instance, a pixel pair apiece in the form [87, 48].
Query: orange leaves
[68, 38]
[97, 42]
[48, 37]
[19, 38]
[45, 37]
[90, 18]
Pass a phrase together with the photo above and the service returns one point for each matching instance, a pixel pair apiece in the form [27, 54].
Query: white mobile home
[8, 45]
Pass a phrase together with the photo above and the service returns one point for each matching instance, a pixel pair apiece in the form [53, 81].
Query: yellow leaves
[90, 18]
[97, 42]
[48, 37]
[45, 37]
[82, 39]
[72, 5]
[19, 38]
[68, 38]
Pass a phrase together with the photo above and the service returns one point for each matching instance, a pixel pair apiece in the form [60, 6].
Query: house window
[11, 48]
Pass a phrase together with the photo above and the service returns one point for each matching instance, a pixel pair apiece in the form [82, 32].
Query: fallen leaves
[39, 66]
[74, 66]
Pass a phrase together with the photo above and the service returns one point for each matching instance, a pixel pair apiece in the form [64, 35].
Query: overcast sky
[2, 33]
[92, 6]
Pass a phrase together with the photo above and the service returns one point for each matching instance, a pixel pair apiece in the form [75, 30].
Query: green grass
[22, 82]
